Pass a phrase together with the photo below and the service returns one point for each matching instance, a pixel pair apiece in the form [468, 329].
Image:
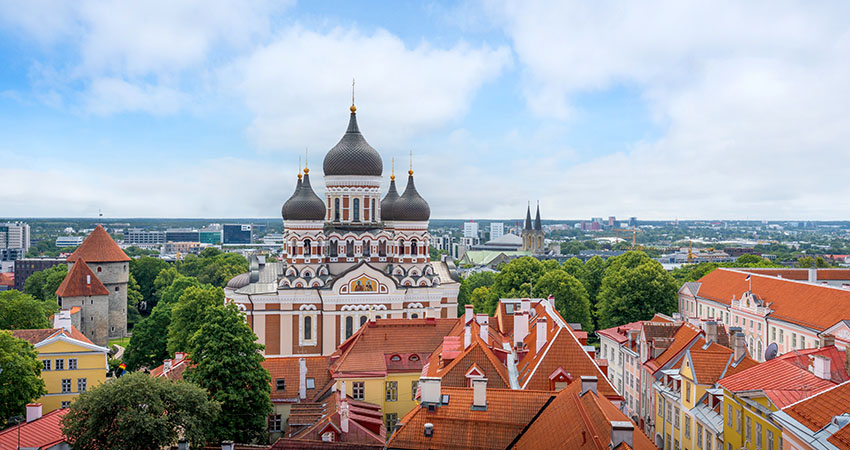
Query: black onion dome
[389, 201]
[352, 155]
[304, 203]
[411, 206]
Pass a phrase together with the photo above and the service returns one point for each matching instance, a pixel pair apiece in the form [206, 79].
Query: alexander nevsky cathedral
[349, 258]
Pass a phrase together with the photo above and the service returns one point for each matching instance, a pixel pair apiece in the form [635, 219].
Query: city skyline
[734, 112]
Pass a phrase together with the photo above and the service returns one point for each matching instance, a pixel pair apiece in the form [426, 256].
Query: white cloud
[298, 86]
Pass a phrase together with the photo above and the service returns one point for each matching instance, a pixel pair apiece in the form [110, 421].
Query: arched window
[414, 357]
[414, 316]
[363, 320]
[356, 210]
[382, 248]
[759, 353]
[395, 358]
[374, 212]
[334, 250]
[414, 247]
[336, 210]
[349, 326]
[349, 250]
[367, 248]
[307, 245]
[308, 328]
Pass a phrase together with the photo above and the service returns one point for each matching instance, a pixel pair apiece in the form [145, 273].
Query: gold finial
[410, 172]
[392, 176]
[306, 155]
[299, 167]
[353, 108]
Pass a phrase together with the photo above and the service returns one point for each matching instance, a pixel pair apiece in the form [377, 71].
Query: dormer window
[414, 358]
[395, 358]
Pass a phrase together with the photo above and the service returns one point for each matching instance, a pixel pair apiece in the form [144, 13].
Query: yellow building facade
[72, 364]
[746, 422]
[395, 393]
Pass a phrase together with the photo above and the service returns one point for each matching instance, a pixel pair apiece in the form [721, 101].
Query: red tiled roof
[682, 339]
[457, 426]
[81, 282]
[99, 247]
[176, 371]
[715, 361]
[7, 278]
[811, 305]
[802, 274]
[841, 438]
[289, 369]
[576, 421]
[365, 351]
[620, 334]
[307, 422]
[818, 410]
[40, 433]
[39, 335]
[786, 379]
[453, 371]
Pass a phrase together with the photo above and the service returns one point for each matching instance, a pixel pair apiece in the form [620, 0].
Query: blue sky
[202, 108]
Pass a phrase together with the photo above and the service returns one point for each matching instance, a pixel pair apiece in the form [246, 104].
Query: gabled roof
[39, 336]
[308, 421]
[81, 282]
[685, 335]
[453, 372]
[786, 379]
[365, 350]
[712, 362]
[818, 410]
[289, 369]
[99, 247]
[620, 334]
[41, 433]
[577, 421]
[458, 426]
[810, 305]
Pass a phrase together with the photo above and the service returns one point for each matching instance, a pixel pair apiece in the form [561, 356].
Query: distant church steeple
[532, 233]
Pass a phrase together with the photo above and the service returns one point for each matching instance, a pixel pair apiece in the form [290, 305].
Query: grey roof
[389, 201]
[241, 280]
[528, 218]
[352, 155]
[411, 206]
[304, 203]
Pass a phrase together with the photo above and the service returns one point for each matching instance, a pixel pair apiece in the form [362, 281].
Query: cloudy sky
[658, 109]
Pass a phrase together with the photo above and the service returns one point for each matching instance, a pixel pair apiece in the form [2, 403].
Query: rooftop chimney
[166, 366]
[541, 333]
[483, 321]
[479, 394]
[551, 299]
[33, 411]
[813, 275]
[429, 389]
[588, 383]
[429, 429]
[525, 305]
[302, 378]
[226, 445]
[342, 390]
[710, 328]
[739, 346]
[467, 336]
[178, 356]
[469, 312]
[520, 327]
[827, 340]
[622, 431]
[344, 415]
[183, 444]
[821, 367]
[62, 319]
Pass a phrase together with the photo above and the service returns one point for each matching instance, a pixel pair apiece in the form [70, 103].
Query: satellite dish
[771, 351]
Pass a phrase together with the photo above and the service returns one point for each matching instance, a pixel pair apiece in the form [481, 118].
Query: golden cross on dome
[353, 108]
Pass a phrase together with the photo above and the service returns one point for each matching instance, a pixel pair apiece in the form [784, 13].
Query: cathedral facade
[349, 258]
[532, 234]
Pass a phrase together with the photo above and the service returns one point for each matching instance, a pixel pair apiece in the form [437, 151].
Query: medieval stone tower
[102, 313]
[532, 233]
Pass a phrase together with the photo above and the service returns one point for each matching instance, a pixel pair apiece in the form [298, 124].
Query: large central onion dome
[352, 155]
[410, 206]
[304, 203]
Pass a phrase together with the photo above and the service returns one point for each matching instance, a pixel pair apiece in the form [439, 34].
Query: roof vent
[429, 429]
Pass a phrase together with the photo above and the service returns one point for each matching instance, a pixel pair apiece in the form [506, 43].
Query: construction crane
[634, 232]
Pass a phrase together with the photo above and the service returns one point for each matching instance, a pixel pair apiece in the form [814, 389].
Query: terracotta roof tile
[40, 433]
[620, 334]
[715, 361]
[818, 410]
[841, 438]
[457, 426]
[307, 422]
[99, 247]
[684, 336]
[35, 336]
[801, 274]
[7, 279]
[81, 282]
[289, 369]
[177, 369]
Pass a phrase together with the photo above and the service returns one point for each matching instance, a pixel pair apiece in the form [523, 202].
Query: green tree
[145, 269]
[463, 296]
[749, 259]
[692, 272]
[484, 300]
[595, 268]
[229, 366]
[483, 278]
[148, 345]
[19, 311]
[171, 294]
[134, 301]
[189, 313]
[20, 376]
[634, 288]
[139, 412]
[575, 267]
[163, 281]
[434, 253]
[44, 283]
[570, 296]
[517, 277]
[213, 267]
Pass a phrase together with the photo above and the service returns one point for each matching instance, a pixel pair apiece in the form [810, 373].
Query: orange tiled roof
[810, 305]
[37, 335]
[682, 338]
[710, 363]
[841, 438]
[44, 432]
[818, 410]
[176, 371]
[457, 426]
[81, 282]
[576, 421]
[307, 421]
[453, 372]
[289, 369]
[99, 247]
[620, 333]
[7, 278]
[787, 379]
[801, 274]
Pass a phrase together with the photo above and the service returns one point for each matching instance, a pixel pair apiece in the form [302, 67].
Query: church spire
[538, 226]
[528, 217]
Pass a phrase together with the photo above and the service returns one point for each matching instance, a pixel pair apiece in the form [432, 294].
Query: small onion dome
[352, 155]
[389, 201]
[239, 281]
[304, 203]
[411, 207]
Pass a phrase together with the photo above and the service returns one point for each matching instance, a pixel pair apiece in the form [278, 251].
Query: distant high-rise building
[182, 235]
[612, 221]
[14, 240]
[236, 234]
[497, 230]
[633, 221]
[28, 266]
[143, 238]
[211, 236]
[470, 230]
[69, 241]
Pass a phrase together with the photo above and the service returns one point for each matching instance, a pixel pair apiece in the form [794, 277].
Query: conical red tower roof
[99, 247]
[81, 282]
